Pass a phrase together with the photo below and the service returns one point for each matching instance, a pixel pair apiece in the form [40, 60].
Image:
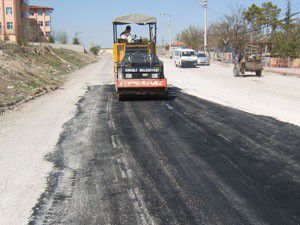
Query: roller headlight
[120, 73]
[155, 75]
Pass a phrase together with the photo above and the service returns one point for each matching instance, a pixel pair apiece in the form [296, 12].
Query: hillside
[26, 72]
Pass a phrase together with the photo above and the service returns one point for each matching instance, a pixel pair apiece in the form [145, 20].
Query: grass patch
[26, 70]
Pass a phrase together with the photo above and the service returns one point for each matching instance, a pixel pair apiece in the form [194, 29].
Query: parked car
[202, 59]
[185, 57]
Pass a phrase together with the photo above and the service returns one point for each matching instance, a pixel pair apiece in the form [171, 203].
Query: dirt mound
[26, 72]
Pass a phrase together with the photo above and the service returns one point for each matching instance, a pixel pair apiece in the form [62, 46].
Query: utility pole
[205, 25]
[288, 13]
[170, 31]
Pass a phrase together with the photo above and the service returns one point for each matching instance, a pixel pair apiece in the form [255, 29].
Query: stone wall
[76, 48]
[282, 62]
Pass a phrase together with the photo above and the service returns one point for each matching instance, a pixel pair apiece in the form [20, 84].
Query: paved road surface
[180, 161]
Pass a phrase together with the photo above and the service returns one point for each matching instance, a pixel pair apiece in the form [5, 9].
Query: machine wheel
[258, 73]
[121, 96]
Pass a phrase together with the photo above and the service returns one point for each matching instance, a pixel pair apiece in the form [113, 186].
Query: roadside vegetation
[95, 49]
[276, 29]
[61, 37]
[26, 72]
[76, 39]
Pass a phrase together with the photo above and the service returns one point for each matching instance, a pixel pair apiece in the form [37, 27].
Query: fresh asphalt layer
[178, 161]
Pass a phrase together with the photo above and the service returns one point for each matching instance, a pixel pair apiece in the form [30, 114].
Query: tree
[270, 16]
[255, 24]
[253, 16]
[236, 28]
[192, 37]
[288, 19]
[286, 41]
[229, 32]
[76, 39]
[286, 44]
[62, 37]
[214, 36]
[34, 31]
[95, 49]
[51, 39]
[261, 18]
[24, 36]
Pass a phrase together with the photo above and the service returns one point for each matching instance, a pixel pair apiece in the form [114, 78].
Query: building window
[10, 25]
[40, 12]
[0, 26]
[41, 23]
[9, 11]
[24, 14]
[31, 13]
[48, 23]
[48, 13]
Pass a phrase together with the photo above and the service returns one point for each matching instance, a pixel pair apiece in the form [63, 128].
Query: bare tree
[236, 28]
[192, 37]
[62, 37]
[229, 32]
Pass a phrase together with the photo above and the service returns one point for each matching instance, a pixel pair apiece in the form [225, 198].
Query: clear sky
[94, 17]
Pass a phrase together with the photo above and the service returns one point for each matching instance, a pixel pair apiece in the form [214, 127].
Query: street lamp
[170, 30]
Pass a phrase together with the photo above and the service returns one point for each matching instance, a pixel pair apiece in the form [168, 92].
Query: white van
[185, 57]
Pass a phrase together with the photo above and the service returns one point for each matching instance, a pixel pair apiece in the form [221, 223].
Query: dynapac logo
[143, 83]
[142, 70]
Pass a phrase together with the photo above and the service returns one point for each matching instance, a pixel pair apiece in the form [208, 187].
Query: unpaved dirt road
[184, 160]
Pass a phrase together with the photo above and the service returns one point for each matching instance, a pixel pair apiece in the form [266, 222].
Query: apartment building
[13, 19]
[19, 20]
[40, 23]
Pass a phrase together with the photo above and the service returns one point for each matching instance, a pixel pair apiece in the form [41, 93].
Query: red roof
[177, 44]
[39, 7]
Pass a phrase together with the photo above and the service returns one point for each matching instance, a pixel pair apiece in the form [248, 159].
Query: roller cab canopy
[134, 19]
[137, 19]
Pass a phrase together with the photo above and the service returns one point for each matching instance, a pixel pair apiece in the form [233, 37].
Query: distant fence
[283, 62]
[226, 57]
[76, 48]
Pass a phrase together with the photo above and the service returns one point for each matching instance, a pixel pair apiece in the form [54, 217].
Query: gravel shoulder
[30, 132]
[31, 71]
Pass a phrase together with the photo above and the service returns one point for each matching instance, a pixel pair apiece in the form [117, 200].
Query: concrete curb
[285, 73]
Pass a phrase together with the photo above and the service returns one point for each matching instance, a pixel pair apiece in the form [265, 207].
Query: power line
[266, 26]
